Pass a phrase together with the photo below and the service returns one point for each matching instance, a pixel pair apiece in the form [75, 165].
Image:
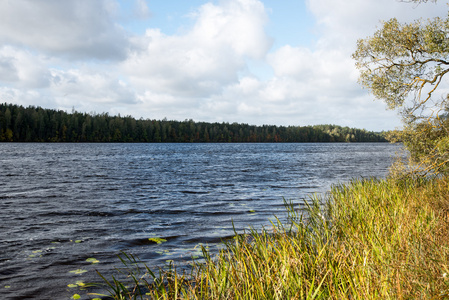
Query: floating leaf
[80, 283]
[37, 251]
[7, 286]
[78, 271]
[72, 285]
[98, 294]
[93, 260]
[157, 240]
[252, 211]
[78, 241]
[76, 296]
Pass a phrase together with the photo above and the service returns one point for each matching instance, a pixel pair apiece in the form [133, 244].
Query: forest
[36, 124]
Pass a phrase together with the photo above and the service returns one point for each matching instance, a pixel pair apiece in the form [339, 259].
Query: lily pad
[80, 283]
[78, 271]
[157, 240]
[92, 260]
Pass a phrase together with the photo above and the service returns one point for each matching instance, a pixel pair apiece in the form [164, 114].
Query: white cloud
[88, 86]
[25, 97]
[141, 9]
[23, 69]
[28, 79]
[342, 22]
[205, 58]
[76, 29]
[294, 62]
[8, 70]
[238, 24]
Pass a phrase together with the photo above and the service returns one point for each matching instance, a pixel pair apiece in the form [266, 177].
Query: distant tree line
[35, 124]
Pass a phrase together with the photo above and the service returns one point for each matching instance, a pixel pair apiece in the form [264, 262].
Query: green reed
[369, 239]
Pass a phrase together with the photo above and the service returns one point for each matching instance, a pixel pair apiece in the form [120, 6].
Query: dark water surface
[61, 204]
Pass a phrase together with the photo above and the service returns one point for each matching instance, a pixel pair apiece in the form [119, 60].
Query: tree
[403, 65]
[35, 124]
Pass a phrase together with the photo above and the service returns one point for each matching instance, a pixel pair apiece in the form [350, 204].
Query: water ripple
[63, 203]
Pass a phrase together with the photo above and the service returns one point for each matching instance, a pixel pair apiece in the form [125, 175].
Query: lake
[61, 204]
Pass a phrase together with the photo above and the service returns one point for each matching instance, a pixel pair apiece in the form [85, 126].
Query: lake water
[61, 204]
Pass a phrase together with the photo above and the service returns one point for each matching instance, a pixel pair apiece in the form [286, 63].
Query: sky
[248, 61]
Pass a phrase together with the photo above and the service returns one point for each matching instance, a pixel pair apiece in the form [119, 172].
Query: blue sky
[289, 20]
[248, 61]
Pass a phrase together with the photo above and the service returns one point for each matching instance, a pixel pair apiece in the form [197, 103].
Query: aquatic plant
[78, 271]
[157, 240]
[92, 260]
[369, 239]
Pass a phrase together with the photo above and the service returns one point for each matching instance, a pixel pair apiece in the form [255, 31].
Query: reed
[369, 239]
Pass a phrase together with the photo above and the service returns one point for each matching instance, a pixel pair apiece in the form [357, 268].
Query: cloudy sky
[249, 61]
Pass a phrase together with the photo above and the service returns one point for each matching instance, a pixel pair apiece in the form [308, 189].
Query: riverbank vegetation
[369, 239]
[35, 124]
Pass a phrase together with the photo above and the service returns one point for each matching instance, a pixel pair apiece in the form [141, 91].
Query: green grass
[370, 239]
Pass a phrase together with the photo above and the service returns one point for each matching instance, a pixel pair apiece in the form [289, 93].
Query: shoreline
[375, 238]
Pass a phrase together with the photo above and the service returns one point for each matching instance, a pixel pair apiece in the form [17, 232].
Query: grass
[369, 239]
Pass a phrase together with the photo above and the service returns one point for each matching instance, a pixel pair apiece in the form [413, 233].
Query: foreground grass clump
[370, 239]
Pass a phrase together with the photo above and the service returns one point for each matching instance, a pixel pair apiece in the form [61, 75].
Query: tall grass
[369, 239]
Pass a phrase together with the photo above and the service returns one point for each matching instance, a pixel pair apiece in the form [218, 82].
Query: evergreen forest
[36, 124]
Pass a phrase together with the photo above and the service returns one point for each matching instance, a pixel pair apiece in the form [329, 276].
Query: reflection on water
[62, 204]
